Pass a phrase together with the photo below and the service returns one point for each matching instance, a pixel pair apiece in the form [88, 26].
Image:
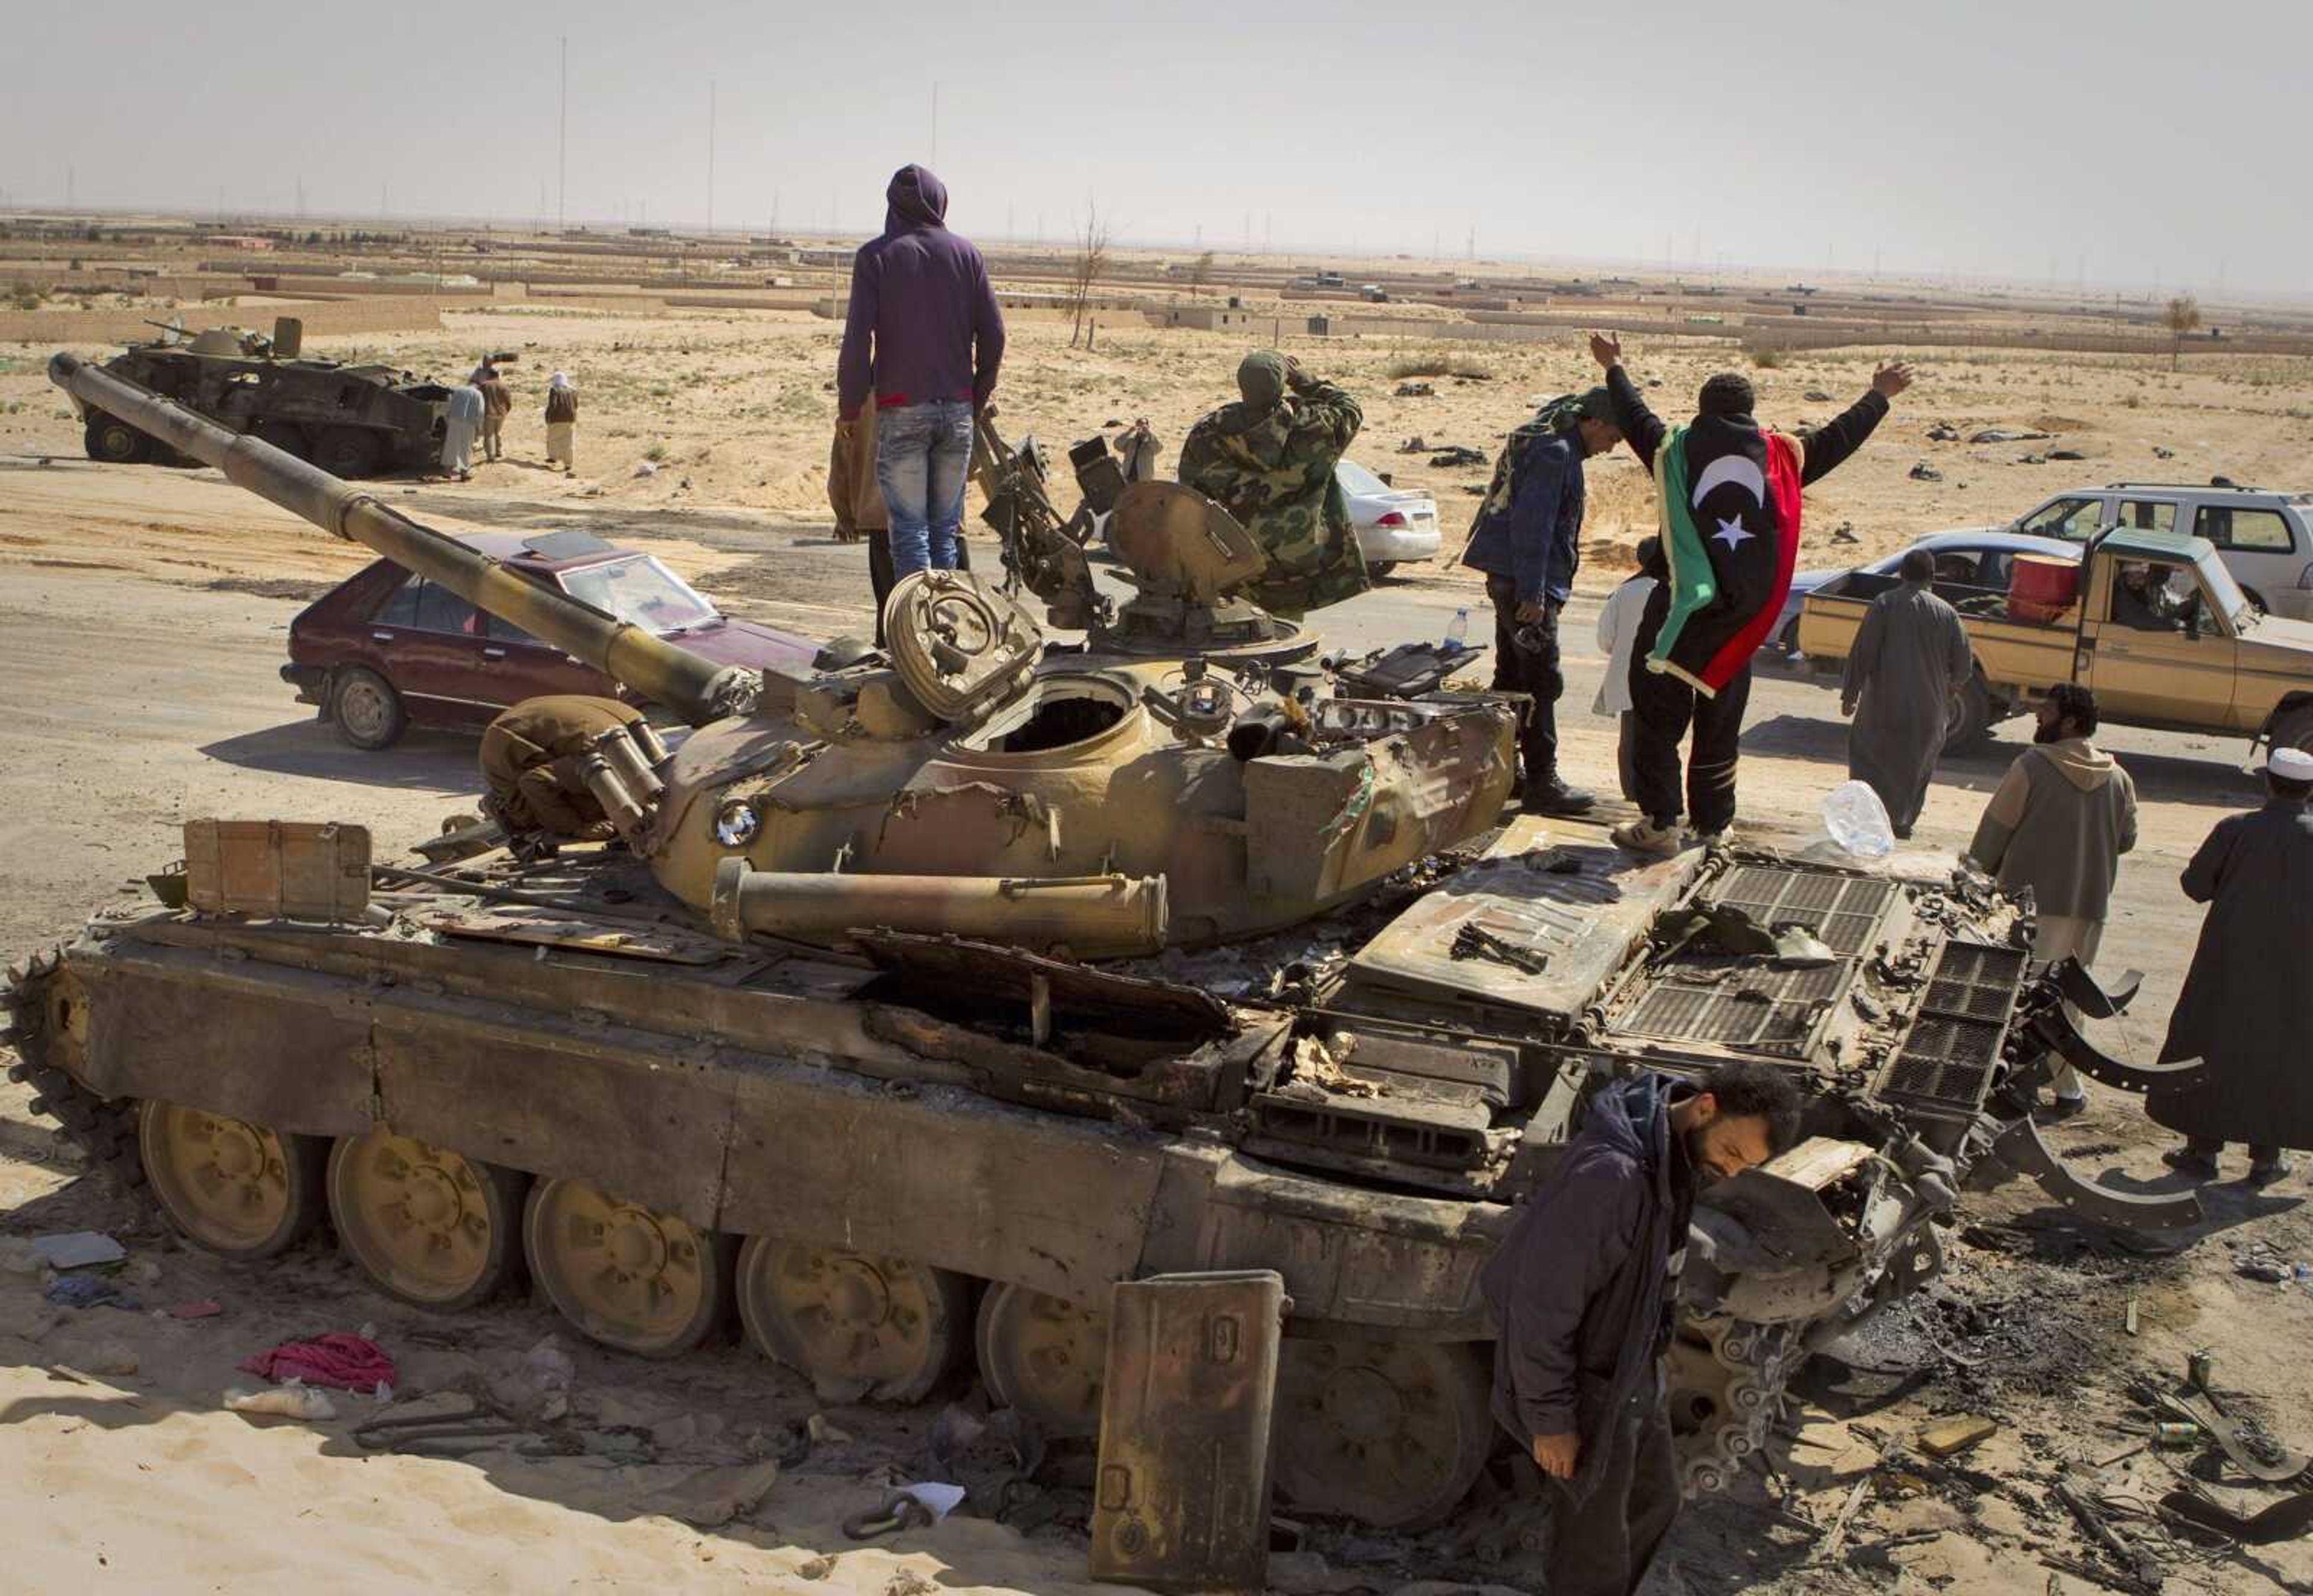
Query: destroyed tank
[922, 1003]
[351, 420]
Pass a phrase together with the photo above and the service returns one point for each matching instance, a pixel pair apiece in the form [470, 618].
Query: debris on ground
[2004, 435]
[348, 1363]
[88, 1291]
[1924, 472]
[281, 1401]
[1943, 432]
[1949, 1437]
[1416, 391]
[73, 1250]
[1458, 456]
[713, 1497]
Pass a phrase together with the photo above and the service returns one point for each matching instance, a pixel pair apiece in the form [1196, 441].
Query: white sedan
[1393, 524]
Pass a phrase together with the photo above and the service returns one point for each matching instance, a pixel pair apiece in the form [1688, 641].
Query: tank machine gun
[557, 1065]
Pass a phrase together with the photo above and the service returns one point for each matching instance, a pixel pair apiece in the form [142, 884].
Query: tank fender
[2021, 1148]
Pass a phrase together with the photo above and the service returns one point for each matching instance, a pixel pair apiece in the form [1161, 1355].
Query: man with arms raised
[1729, 500]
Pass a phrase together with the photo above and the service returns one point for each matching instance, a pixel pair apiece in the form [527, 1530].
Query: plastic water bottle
[1858, 821]
[1458, 633]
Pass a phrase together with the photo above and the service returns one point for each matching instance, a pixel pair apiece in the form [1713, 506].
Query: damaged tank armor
[818, 1042]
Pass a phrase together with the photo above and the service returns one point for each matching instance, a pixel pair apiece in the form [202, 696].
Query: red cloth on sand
[350, 1362]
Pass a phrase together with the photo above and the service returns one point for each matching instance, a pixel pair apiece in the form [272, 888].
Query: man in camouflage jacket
[1268, 460]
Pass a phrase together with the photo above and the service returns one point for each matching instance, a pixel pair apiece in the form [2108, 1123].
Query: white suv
[2265, 540]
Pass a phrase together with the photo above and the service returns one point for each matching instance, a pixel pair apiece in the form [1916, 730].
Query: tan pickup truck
[2157, 627]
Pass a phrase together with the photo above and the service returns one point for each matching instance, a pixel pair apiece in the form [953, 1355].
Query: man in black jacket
[1731, 531]
[1584, 1292]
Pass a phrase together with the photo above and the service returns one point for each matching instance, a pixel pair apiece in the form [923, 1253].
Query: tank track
[103, 1128]
[1734, 1380]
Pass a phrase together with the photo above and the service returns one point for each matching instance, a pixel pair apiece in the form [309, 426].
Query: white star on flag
[1731, 533]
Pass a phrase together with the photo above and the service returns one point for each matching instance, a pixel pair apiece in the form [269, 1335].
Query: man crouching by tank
[531, 761]
[1584, 1292]
[1268, 460]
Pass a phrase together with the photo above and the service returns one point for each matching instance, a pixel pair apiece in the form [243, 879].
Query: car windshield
[2075, 519]
[640, 590]
[1356, 478]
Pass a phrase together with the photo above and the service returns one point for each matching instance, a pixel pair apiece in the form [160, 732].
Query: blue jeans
[922, 454]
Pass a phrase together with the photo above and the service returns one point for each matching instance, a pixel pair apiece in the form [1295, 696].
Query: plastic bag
[1858, 821]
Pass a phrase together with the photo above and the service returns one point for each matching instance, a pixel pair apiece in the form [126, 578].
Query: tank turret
[1181, 777]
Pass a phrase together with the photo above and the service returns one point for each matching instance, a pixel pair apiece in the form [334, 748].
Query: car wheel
[1968, 725]
[348, 451]
[366, 710]
[110, 438]
[1378, 569]
[1788, 639]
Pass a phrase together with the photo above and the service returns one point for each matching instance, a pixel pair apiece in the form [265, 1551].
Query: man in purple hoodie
[921, 344]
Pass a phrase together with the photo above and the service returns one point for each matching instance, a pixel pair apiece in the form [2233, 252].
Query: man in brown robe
[530, 759]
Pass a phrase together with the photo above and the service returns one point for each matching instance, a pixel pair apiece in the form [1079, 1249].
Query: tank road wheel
[287, 437]
[238, 1189]
[1044, 1355]
[843, 1318]
[349, 453]
[1392, 1434]
[110, 438]
[627, 1276]
[365, 709]
[425, 1224]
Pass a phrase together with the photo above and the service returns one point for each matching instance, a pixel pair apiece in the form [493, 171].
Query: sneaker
[1722, 838]
[1553, 796]
[2268, 1174]
[1645, 837]
[2186, 1161]
[2060, 1108]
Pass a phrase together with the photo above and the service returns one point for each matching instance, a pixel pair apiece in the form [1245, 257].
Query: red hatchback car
[384, 650]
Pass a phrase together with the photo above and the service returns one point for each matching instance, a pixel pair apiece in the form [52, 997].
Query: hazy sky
[2028, 138]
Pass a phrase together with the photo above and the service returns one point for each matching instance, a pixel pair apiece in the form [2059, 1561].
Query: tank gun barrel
[692, 686]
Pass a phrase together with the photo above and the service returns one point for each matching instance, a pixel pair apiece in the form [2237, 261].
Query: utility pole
[562, 145]
[72, 186]
[710, 155]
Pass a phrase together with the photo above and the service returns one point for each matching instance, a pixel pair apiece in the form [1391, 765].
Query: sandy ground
[141, 692]
[735, 409]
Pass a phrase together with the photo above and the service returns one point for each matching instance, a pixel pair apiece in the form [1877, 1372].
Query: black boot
[1551, 796]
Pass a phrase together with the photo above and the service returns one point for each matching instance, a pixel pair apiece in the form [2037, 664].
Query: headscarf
[1570, 410]
[559, 380]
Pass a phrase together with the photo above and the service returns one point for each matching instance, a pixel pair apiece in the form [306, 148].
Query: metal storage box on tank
[1182, 1500]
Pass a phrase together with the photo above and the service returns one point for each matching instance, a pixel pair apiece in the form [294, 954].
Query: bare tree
[2182, 316]
[1200, 274]
[1086, 264]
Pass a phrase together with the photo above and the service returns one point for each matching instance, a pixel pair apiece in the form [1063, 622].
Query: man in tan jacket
[2061, 818]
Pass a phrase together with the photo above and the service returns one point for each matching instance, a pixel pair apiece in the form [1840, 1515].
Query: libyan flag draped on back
[1730, 528]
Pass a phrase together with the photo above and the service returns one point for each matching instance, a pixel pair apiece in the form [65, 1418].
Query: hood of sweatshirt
[915, 198]
[2081, 763]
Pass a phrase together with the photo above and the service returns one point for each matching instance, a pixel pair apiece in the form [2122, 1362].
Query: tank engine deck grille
[1844, 911]
[1947, 1059]
[1761, 1009]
